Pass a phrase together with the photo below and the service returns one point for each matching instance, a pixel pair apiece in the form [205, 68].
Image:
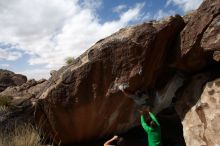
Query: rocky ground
[175, 61]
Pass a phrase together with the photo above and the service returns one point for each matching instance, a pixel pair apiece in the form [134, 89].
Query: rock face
[200, 110]
[200, 40]
[8, 78]
[198, 105]
[83, 101]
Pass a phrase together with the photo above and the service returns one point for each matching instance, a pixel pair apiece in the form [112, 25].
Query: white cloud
[36, 73]
[161, 14]
[6, 54]
[186, 5]
[119, 8]
[4, 66]
[91, 4]
[132, 14]
[51, 30]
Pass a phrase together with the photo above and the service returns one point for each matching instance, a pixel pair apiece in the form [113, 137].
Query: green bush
[5, 101]
[69, 60]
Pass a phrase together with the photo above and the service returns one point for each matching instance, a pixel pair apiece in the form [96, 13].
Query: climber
[143, 100]
[115, 141]
[151, 126]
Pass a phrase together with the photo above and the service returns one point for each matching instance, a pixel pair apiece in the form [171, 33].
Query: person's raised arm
[109, 142]
[144, 124]
[152, 116]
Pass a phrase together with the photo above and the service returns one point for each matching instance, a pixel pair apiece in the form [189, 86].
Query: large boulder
[8, 78]
[199, 110]
[199, 40]
[83, 101]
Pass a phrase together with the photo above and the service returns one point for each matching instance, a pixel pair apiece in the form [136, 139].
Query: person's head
[152, 124]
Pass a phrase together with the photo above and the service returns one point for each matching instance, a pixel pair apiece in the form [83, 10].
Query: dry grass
[12, 134]
[14, 131]
[25, 135]
[5, 100]
[3, 109]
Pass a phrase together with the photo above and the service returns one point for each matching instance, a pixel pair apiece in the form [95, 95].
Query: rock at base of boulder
[201, 121]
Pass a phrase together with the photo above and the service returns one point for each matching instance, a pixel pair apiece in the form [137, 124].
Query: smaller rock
[53, 72]
[29, 90]
[41, 81]
[8, 78]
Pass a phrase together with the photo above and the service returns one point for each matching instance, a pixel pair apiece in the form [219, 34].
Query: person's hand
[148, 109]
[115, 137]
[140, 112]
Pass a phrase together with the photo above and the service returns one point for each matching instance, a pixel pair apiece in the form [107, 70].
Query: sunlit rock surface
[201, 119]
[199, 41]
[174, 61]
[83, 101]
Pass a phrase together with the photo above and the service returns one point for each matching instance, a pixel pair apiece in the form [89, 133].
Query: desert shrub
[69, 60]
[5, 101]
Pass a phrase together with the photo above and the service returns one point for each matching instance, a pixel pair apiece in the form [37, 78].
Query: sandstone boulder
[83, 101]
[199, 108]
[8, 78]
[199, 40]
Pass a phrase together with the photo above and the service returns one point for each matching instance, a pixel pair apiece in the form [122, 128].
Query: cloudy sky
[37, 36]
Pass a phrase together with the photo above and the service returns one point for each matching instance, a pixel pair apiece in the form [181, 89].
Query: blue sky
[37, 35]
[107, 11]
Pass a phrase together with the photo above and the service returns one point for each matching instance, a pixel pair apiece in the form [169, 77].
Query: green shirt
[154, 134]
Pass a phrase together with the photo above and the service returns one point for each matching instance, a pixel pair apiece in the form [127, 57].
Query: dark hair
[152, 124]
